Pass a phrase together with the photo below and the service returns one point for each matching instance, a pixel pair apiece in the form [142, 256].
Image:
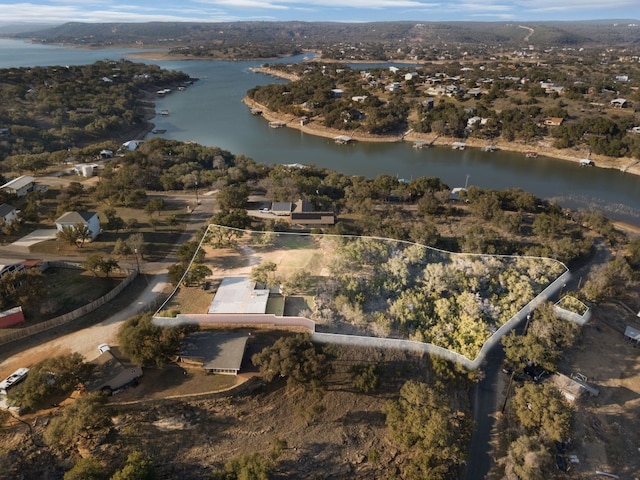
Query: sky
[104, 11]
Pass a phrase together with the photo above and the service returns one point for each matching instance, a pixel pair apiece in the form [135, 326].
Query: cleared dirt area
[606, 429]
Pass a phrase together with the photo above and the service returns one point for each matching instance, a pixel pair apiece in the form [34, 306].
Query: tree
[86, 469]
[136, 244]
[148, 344]
[25, 288]
[85, 415]
[138, 467]
[68, 234]
[83, 233]
[265, 274]
[251, 466]
[93, 263]
[542, 410]
[154, 205]
[366, 378]
[296, 358]
[528, 458]
[422, 421]
[52, 377]
[197, 273]
[121, 248]
[609, 280]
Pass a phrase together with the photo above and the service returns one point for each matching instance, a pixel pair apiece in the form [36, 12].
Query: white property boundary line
[408, 345]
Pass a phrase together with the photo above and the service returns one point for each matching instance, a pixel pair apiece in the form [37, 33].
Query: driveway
[36, 236]
[86, 341]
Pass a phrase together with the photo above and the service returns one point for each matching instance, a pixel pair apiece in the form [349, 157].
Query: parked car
[104, 347]
[16, 377]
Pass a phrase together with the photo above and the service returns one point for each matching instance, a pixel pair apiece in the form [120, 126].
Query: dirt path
[85, 341]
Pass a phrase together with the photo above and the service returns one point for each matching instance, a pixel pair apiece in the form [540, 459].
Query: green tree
[85, 415]
[265, 274]
[68, 234]
[52, 377]
[295, 358]
[153, 206]
[365, 378]
[148, 344]
[137, 467]
[88, 468]
[251, 466]
[197, 273]
[422, 421]
[83, 234]
[528, 458]
[25, 288]
[541, 410]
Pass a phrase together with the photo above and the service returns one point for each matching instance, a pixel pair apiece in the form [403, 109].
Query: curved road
[488, 397]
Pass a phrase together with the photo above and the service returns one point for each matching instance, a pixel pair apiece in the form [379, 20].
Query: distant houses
[8, 214]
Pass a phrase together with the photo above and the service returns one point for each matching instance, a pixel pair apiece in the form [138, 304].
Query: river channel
[211, 113]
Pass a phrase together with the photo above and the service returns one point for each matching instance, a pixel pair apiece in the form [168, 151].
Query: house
[393, 69]
[553, 121]
[304, 215]
[220, 353]
[572, 387]
[337, 92]
[110, 374]
[619, 103]
[635, 130]
[281, 209]
[239, 295]
[8, 214]
[19, 186]
[72, 219]
[474, 92]
[104, 154]
[428, 103]
[131, 145]
[359, 98]
[410, 75]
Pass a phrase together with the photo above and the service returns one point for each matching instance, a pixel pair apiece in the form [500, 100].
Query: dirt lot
[606, 429]
[337, 433]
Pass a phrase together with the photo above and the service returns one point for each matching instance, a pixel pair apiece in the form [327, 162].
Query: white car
[104, 347]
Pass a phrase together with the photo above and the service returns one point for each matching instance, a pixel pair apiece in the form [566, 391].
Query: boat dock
[276, 124]
[458, 145]
[342, 139]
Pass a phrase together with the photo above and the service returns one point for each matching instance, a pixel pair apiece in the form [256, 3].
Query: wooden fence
[67, 317]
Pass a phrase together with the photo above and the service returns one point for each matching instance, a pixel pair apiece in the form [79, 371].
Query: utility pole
[135, 252]
[196, 185]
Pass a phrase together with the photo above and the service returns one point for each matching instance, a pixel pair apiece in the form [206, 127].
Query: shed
[13, 316]
[110, 374]
[632, 334]
[572, 388]
[220, 353]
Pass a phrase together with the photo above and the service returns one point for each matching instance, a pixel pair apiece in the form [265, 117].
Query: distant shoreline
[631, 165]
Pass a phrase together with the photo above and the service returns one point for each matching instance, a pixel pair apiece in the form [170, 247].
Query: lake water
[211, 113]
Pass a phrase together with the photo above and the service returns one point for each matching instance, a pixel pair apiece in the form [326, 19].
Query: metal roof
[217, 351]
[18, 183]
[239, 295]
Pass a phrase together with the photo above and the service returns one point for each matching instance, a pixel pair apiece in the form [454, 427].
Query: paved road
[488, 397]
[85, 341]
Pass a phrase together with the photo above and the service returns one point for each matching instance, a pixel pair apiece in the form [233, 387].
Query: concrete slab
[36, 236]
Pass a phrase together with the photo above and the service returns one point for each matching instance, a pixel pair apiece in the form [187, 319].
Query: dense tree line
[49, 110]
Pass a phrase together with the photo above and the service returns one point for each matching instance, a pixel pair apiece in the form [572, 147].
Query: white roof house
[239, 295]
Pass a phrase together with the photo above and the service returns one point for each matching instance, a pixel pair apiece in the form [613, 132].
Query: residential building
[19, 186]
[89, 219]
